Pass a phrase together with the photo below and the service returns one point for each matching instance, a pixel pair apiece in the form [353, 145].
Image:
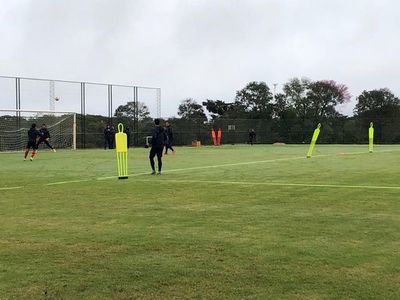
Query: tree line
[288, 117]
[291, 115]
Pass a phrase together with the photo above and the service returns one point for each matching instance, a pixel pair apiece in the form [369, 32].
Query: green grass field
[220, 223]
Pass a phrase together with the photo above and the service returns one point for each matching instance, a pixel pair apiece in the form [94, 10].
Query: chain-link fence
[94, 103]
[343, 130]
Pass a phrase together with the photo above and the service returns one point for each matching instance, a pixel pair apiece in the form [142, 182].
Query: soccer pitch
[220, 223]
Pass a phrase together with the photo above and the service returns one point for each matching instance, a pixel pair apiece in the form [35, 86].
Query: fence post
[18, 101]
[83, 115]
[110, 103]
[74, 133]
[135, 117]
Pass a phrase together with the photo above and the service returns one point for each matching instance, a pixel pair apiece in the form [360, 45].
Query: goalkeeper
[44, 137]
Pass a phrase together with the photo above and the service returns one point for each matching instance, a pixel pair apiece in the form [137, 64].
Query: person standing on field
[170, 138]
[108, 136]
[252, 136]
[113, 132]
[158, 139]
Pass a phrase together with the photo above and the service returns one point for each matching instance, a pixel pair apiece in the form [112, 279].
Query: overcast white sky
[203, 49]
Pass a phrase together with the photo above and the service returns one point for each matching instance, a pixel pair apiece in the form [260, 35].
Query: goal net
[14, 126]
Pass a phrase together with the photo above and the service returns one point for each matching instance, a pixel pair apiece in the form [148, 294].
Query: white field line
[246, 163]
[235, 164]
[10, 188]
[361, 152]
[67, 181]
[215, 166]
[374, 187]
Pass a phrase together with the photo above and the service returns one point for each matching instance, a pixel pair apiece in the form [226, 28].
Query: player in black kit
[158, 139]
[252, 136]
[44, 137]
[170, 138]
[33, 136]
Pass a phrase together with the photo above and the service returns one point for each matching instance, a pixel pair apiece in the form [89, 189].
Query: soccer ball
[56, 98]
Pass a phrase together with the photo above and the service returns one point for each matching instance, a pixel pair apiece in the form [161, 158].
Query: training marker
[371, 138]
[214, 137]
[313, 140]
[219, 136]
[121, 142]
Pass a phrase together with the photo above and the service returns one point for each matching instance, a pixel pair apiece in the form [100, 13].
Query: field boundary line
[236, 164]
[67, 181]
[375, 187]
[10, 188]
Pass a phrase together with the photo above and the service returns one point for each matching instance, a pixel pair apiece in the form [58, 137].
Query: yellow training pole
[313, 140]
[371, 138]
[121, 146]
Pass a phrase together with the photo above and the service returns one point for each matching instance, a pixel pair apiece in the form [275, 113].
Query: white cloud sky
[202, 49]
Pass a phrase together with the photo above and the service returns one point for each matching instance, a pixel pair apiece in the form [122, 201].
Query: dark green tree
[128, 111]
[256, 98]
[221, 109]
[382, 108]
[281, 105]
[190, 109]
[285, 118]
[295, 91]
[193, 122]
[375, 100]
[216, 108]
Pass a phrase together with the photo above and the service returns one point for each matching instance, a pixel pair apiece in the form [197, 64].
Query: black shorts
[31, 144]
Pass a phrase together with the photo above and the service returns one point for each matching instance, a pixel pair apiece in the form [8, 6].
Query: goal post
[15, 123]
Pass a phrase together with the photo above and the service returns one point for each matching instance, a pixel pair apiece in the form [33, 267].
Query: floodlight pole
[18, 101]
[275, 85]
[110, 103]
[159, 103]
[83, 115]
[74, 133]
[135, 116]
[52, 95]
